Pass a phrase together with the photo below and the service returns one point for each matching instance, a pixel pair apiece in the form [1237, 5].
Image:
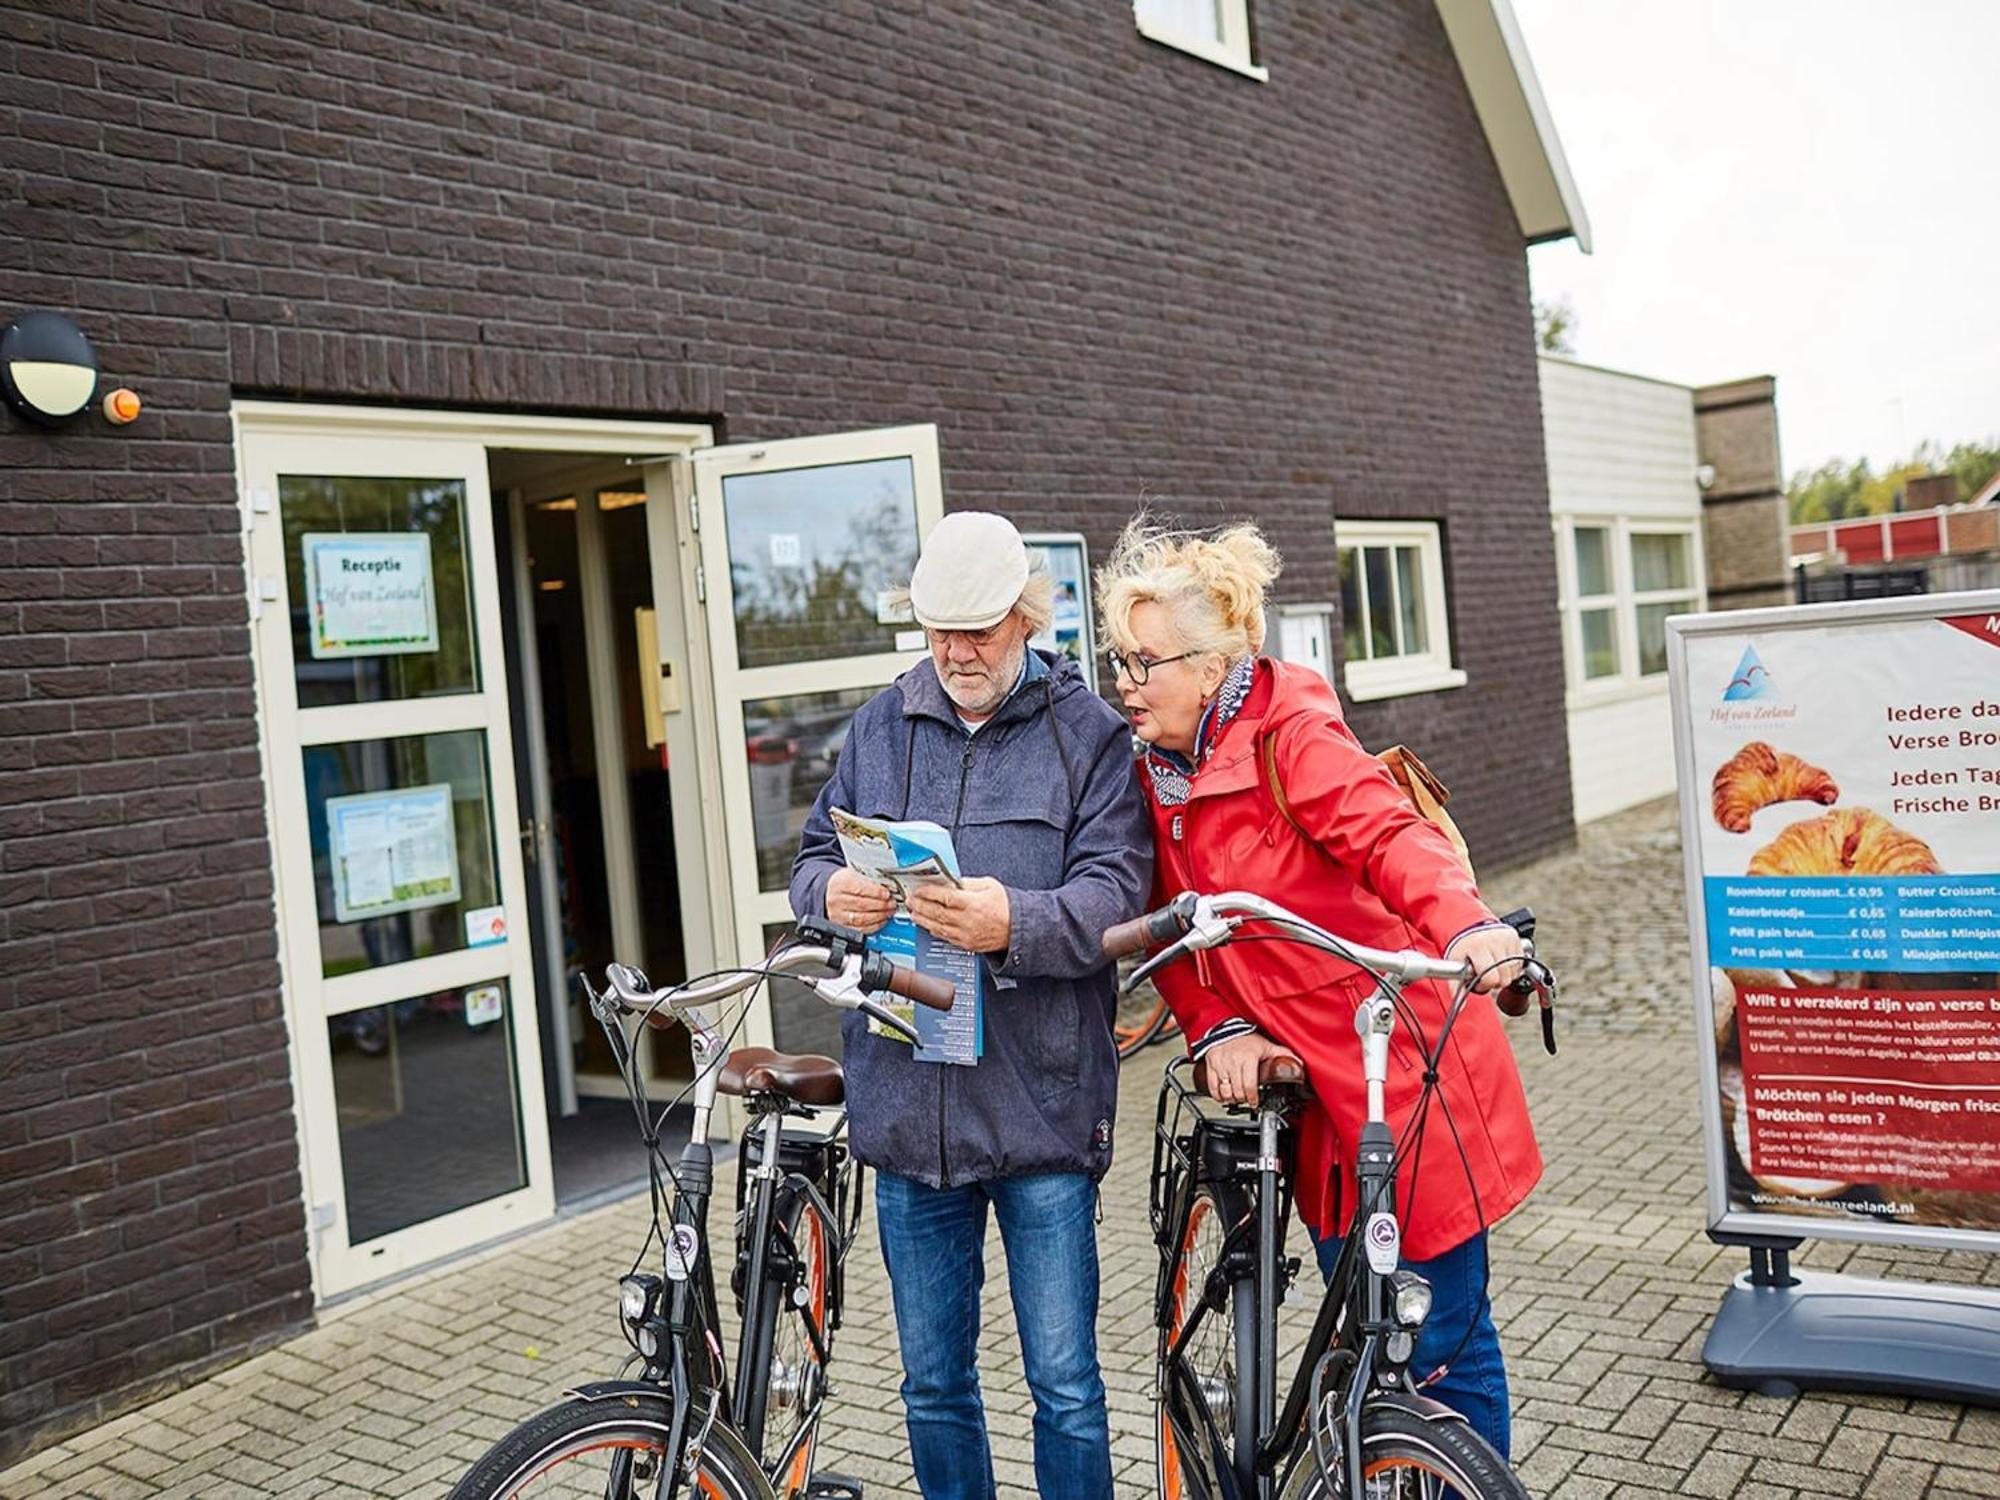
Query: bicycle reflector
[1411, 1299]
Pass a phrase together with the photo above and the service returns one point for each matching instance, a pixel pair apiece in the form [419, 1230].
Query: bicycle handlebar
[1192, 921]
[872, 973]
[914, 984]
[1155, 927]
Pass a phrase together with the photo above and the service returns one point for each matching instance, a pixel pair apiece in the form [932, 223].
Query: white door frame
[752, 907]
[364, 441]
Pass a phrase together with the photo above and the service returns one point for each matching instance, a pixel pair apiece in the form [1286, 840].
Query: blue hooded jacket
[1044, 799]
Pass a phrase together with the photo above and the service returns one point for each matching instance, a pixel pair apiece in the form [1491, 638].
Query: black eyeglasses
[978, 639]
[1137, 665]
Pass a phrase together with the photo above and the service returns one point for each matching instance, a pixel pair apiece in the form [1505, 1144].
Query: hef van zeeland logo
[1749, 697]
[1752, 680]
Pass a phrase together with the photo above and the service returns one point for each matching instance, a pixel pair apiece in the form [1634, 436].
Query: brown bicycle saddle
[804, 1078]
[1279, 1070]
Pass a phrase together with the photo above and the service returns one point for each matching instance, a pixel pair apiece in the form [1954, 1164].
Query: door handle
[534, 833]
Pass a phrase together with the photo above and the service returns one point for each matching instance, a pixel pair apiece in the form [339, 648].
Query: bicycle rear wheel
[1407, 1457]
[1142, 1020]
[1218, 1385]
[797, 1310]
[606, 1450]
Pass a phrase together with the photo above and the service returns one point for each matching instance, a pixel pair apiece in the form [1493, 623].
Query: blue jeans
[934, 1240]
[1475, 1384]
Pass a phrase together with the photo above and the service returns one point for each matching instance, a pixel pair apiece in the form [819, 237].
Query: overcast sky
[1803, 188]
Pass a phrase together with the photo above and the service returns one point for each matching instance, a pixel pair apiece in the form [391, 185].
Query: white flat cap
[972, 571]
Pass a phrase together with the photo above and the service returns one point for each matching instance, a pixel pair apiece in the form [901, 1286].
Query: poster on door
[1067, 558]
[392, 851]
[1840, 789]
[369, 593]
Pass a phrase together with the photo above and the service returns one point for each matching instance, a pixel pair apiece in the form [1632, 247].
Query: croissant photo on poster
[1840, 794]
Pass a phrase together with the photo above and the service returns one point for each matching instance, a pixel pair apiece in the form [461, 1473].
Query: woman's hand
[1232, 1067]
[856, 901]
[1484, 947]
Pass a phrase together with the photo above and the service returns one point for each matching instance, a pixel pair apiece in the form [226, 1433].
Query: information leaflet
[1841, 801]
[906, 856]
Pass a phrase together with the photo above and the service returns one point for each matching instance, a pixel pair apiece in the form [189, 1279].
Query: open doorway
[603, 871]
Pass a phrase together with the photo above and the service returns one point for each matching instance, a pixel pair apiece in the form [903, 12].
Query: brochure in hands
[906, 856]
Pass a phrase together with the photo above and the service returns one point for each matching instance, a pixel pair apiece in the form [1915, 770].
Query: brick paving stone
[1603, 1284]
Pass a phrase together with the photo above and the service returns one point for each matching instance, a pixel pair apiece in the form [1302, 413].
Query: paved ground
[1604, 1284]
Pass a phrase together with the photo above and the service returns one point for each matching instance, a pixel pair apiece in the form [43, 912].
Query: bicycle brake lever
[1153, 965]
[876, 1011]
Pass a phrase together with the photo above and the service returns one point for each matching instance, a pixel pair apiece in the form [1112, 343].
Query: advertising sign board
[1839, 769]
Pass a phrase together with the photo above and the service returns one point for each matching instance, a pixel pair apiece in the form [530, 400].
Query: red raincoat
[1375, 872]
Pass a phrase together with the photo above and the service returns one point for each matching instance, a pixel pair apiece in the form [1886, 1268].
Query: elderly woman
[1184, 616]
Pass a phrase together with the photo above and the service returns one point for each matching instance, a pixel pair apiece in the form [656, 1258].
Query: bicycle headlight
[636, 1295]
[1410, 1299]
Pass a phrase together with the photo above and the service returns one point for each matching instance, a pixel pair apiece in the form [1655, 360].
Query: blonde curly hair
[1212, 585]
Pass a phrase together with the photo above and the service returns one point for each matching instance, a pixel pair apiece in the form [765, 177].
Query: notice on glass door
[369, 593]
[392, 851]
[1844, 816]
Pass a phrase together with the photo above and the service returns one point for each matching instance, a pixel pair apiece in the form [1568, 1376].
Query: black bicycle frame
[1354, 1313]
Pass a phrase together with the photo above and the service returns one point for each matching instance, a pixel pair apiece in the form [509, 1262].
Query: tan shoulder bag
[1425, 792]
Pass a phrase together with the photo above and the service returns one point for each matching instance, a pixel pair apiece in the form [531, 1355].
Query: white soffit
[1494, 59]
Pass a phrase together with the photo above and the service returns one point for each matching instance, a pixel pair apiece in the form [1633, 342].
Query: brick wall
[1108, 271]
[1745, 526]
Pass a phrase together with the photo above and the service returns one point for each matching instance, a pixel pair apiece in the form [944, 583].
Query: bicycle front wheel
[1406, 1457]
[606, 1450]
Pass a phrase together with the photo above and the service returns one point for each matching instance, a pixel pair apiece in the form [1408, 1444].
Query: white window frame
[1429, 671]
[1623, 647]
[1625, 599]
[1231, 52]
[1692, 597]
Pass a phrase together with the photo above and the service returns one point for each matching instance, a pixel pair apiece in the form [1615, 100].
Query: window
[1596, 603]
[1392, 609]
[1620, 583]
[1662, 585]
[1217, 30]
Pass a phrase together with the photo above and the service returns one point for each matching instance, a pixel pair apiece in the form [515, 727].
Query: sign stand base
[1780, 1331]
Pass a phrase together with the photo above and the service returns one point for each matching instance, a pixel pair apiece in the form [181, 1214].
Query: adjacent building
[537, 405]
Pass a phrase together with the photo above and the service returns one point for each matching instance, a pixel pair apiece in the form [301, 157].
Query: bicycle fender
[618, 1390]
[1424, 1408]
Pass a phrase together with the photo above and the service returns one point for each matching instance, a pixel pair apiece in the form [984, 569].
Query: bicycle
[1142, 1022]
[679, 1425]
[1353, 1423]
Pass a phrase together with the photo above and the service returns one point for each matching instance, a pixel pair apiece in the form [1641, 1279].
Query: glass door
[803, 544]
[399, 880]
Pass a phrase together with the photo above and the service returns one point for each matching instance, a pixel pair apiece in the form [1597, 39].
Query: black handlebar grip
[1513, 998]
[925, 989]
[1127, 938]
[1155, 927]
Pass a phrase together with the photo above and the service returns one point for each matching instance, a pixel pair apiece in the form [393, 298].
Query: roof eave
[1493, 57]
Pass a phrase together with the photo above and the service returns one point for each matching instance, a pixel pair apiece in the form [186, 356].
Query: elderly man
[1031, 771]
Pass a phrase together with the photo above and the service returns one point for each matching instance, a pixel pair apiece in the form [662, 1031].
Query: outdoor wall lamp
[48, 371]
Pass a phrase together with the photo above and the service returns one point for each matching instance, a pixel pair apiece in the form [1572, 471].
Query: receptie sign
[1839, 770]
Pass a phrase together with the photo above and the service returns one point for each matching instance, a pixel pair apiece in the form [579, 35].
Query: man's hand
[975, 916]
[1485, 946]
[856, 901]
[1232, 1067]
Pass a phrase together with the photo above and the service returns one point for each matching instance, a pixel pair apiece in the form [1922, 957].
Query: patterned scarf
[1173, 772]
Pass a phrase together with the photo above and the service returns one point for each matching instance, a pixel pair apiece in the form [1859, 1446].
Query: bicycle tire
[797, 1377]
[1218, 1361]
[1408, 1457]
[1155, 1024]
[571, 1450]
